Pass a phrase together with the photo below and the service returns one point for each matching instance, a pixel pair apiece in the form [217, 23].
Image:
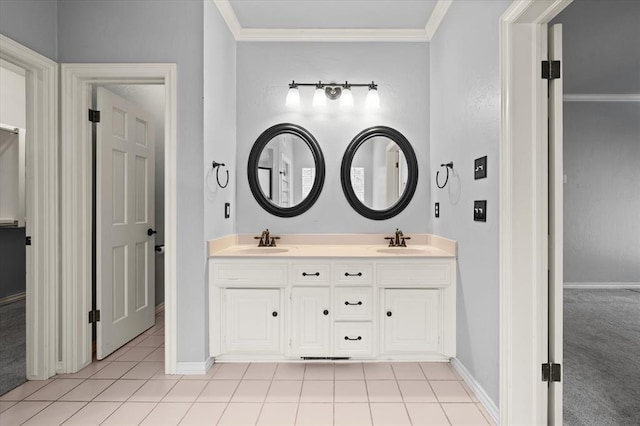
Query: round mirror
[379, 172]
[286, 170]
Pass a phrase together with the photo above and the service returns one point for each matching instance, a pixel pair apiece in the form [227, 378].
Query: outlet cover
[480, 210]
[480, 170]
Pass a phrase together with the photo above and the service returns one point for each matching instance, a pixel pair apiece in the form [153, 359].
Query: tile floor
[129, 388]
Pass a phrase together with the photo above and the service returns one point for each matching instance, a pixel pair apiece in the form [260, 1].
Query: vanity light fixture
[333, 91]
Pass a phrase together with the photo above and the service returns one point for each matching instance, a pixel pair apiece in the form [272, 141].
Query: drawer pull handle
[351, 304]
[349, 338]
[389, 313]
[317, 274]
[275, 314]
[325, 312]
[359, 274]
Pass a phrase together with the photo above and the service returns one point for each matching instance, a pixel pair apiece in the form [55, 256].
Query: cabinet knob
[389, 313]
[325, 312]
[275, 314]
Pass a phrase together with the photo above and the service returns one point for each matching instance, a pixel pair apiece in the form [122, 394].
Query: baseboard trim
[194, 368]
[159, 308]
[12, 298]
[603, 286]
[482, 396]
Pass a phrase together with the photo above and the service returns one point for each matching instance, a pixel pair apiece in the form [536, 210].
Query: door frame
[524, 209]
[43, 274]
[76, 205]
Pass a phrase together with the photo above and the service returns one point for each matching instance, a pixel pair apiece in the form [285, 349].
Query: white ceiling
[333, 20]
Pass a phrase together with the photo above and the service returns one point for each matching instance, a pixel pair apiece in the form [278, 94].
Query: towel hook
[446, 166]
[217, 167]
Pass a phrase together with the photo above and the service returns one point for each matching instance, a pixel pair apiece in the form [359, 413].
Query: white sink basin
[401, 250]
[261, 250]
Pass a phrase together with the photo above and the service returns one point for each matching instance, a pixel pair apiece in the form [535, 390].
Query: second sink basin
[262, 250]
[401, 250]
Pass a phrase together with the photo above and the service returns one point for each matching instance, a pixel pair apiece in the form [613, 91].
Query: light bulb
[319, 98]
[293, 98]
[346, 99]
[373, 99]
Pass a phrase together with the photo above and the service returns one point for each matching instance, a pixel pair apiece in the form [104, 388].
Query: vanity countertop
[333, 245]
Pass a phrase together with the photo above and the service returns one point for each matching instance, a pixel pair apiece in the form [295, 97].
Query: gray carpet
[601, 357]
[13, 349]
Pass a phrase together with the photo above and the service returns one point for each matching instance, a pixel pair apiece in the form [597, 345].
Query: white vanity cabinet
[381, 307]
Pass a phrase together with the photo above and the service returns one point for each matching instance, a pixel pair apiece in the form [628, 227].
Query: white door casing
[125, 195]
[311, 328]
[555, 224]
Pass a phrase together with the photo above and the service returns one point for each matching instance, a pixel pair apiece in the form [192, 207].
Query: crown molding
[333, 35]
[596, 97]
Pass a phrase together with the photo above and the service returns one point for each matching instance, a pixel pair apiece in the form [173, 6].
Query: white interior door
[555, 225]
[125, 159]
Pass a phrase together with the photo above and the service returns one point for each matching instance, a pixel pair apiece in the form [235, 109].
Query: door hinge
[94, 115]
[28, 241]
[551, 372]
[550, 70]
[94, 316]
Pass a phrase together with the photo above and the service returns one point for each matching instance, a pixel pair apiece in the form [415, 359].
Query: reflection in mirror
[286, 170]
[379, 173]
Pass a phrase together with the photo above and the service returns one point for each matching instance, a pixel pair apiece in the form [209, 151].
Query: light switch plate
[480, 170]
[437, 210]
[480, 210]
[227, 210]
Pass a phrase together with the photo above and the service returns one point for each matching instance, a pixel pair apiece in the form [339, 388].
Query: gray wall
[159, 31]
[465, 124]
[602, 193]
[32, 23]
[264, 71]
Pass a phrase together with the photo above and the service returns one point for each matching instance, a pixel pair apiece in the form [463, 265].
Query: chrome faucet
[266, 240]
[398, 240]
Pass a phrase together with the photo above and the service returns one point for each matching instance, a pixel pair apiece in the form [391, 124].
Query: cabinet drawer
[413, 274]
[353, 273]
[353, 303]
[353, 339]
[254, 274]
[311, 273]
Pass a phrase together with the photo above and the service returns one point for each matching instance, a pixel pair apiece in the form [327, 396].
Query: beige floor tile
[54, 390]
[144, 370]
[284, 391]
[449, 391]
[136, 353]
[166, 413]
[86, 372]
[383, 391]
[24, 390]
[260, 371]
[289, 371]
[348, 371]
[203, 414]
[93, 413]
[159, 332]
[130, 413]
[114, 370]
[153, 391]
[426, 414]
[121, 390]
[351, 414]
[319, 371]
[185, 391]
[218, 391]
[136, 341]
[391, 414]
[152, 341]
[317, 391]
[230, 371]
[439, 371]
[464, 414]
[206, 376]
[5, 405]
[486, 414]
[407, 371]
[251, 391]
[278, 414]
[350, 391]
[469, 392]
[240, 414]
[314, 414]
[156, 355]
[378, 371]
[416, 391]
[86, 390]
[22, 411]
[117, 353]
[55, 414]
[161, 376]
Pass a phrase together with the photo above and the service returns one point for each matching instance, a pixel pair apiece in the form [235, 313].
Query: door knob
[150, 232]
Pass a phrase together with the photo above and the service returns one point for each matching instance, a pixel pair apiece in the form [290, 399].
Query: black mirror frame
[254, 159]
[412, 176]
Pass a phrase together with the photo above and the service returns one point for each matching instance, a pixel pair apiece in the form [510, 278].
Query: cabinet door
[411, 320]
[311, 321]
[252, 320]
